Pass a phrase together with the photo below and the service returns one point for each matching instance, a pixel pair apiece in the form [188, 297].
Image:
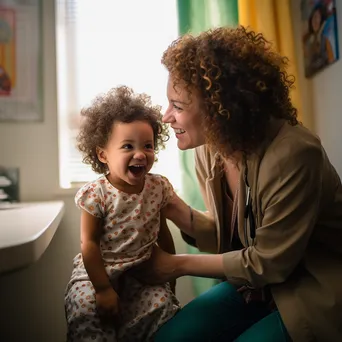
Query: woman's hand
[161, 268]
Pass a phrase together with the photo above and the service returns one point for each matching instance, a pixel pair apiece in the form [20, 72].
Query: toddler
[121, 220]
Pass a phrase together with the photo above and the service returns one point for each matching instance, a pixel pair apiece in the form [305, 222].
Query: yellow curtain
[273, 19]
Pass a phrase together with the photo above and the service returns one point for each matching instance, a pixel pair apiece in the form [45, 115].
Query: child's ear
[101, 154]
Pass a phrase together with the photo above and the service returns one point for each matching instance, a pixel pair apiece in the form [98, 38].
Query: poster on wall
[319, 34]
[20, 60]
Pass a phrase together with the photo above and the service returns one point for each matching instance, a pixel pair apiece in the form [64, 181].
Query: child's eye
[127, 146]
[149, 146]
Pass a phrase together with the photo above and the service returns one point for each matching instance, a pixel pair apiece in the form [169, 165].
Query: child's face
[129, 155]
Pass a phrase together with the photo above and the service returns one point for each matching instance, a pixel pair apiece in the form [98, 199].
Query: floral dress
[130, 229]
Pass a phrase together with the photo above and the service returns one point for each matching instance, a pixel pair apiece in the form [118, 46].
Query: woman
[274, 200]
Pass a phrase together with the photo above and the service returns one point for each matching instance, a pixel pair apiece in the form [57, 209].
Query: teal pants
[221, 315]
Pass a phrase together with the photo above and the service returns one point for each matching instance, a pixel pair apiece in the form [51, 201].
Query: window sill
[67, 192]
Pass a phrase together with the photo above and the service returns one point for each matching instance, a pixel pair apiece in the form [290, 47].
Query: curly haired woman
[274, 219]
[120, 222]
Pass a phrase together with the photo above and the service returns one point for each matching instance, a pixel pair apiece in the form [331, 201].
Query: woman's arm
[90, 247]
[290, 198]
[163, 267]
[179, 213]
[199, 265]
[196, 224]
[165, 240]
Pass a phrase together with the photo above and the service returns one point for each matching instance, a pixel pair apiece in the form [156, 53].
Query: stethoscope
[248, 213]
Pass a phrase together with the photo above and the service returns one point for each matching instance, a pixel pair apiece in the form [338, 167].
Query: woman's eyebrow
[178, 101]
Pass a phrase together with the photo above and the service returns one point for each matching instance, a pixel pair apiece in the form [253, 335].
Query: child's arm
[165, 242]
[90, 247]
[107, 300]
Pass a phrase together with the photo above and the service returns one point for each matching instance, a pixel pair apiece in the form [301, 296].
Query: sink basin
[7, 205]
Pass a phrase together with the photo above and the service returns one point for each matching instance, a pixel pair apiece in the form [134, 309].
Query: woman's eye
[176, 107]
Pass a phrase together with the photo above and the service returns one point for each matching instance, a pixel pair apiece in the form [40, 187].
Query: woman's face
[184, 115]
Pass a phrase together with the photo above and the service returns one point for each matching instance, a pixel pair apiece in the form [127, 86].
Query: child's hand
[173, 286]
[107, 304]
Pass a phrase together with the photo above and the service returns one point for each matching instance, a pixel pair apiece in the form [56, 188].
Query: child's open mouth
[137, 170]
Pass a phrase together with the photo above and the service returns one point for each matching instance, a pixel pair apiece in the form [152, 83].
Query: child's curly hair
[242, 81]
[120, 104]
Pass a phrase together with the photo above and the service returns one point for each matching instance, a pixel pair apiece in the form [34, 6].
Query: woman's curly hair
[120, 104]
[241, 80]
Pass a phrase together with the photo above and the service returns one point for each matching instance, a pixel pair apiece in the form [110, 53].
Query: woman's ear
[101, 154]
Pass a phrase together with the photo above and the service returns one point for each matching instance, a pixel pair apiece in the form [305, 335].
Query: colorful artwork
[7, 51]
[21, 86]
[319, 34]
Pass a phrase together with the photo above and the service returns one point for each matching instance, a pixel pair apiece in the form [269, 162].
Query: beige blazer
[297, 205]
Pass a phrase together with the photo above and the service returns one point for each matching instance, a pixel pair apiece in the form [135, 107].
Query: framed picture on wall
[21, 60]
[319, 34]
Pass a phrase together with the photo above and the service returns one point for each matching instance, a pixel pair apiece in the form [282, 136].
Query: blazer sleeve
[289, 190]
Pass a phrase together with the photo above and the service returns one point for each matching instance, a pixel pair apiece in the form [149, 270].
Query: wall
[32, 307]
[321, 94]
[32, 299]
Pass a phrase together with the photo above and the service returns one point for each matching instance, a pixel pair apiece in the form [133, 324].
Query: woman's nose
[168, 117]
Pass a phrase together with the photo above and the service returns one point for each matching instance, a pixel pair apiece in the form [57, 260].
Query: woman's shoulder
[294, 148]
[293, 141]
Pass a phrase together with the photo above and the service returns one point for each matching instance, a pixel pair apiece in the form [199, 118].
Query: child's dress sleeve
[90, 199]
[168, 191]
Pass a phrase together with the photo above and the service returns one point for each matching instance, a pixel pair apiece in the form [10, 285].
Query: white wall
[322, 94]
[32, 307]
[32, 299]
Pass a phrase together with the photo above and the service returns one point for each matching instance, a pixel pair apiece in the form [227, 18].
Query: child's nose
[139, 155]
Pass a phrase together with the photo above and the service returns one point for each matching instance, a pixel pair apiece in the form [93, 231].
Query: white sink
[26, 230]
[8, 206]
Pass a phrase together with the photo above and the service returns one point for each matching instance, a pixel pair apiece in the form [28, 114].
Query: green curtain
[196, 16]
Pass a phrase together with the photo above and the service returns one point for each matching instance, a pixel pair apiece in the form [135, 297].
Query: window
[102, 44]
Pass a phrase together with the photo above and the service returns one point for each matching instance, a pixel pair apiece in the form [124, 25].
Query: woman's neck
[234, 160]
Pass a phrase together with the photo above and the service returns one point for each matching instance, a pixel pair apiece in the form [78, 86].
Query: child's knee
[80, 301]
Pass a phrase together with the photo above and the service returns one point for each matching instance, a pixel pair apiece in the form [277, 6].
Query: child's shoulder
[156, 178]
[162, 184]
[92, 197]
[96, 186]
